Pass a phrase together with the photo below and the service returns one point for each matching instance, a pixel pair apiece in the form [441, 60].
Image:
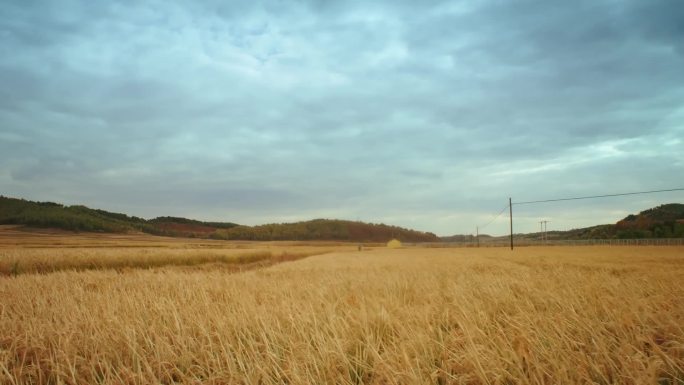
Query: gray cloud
[422, 114]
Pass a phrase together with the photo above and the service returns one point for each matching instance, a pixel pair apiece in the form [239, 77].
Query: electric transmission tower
[543, 236]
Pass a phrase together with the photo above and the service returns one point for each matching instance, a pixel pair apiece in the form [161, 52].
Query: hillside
[326, 229]
[176, 226]
[81, 218]
[74, 218]
[664, 221]
[464, 238]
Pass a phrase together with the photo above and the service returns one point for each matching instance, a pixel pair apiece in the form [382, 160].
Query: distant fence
[565, 242]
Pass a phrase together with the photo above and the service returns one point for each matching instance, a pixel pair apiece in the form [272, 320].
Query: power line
[495, 218]
[510, 203]
[596, 196]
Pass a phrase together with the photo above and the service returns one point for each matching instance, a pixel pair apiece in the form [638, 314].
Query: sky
[421, 114]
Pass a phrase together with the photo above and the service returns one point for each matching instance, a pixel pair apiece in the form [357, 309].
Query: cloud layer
[421, 114]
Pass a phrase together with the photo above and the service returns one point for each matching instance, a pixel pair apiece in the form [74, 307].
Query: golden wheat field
[556, 315]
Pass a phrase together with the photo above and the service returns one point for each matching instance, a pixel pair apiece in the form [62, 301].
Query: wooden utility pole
[510, 216]
[477, 235]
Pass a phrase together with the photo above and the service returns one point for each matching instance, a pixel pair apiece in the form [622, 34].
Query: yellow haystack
[394, 244]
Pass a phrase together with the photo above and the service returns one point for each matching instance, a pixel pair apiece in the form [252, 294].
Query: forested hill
[326, 229]
[75, 218]
[81, 218]
[664, 221]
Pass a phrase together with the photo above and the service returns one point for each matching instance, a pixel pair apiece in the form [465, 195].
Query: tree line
[324, 229]
[81, 218]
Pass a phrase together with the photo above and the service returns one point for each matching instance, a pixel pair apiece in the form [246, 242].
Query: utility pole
[541, 231]
[546, 237]
[510, 216]
[477, 235]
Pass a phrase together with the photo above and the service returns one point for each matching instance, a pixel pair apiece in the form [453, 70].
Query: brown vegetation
[46, 251]
[407, 316]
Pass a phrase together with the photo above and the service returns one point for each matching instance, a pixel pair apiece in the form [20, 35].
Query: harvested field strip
[27, 261]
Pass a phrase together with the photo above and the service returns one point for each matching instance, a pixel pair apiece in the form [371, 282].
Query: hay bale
[394, 244]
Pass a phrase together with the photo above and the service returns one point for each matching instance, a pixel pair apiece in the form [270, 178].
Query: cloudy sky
[420, 114]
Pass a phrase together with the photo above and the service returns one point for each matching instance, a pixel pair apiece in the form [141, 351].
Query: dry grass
[24, 261]
[595, 315]
[47, 251]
